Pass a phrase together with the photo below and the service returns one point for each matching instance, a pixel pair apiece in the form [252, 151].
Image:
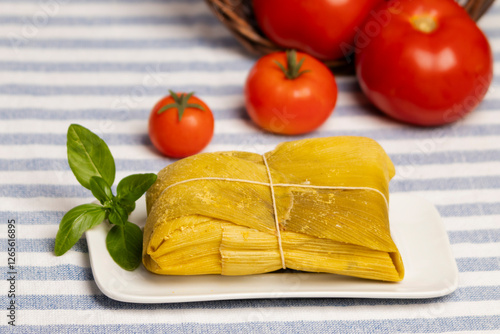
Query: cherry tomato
[324, 29]
[428, 65]
[290, 93]
[180, 125]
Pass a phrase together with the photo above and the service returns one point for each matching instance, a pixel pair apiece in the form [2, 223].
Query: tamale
[217, 213]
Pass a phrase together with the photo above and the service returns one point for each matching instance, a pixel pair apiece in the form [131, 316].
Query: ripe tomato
[429, 65]
[289, 96]
[324, 29]
[180, 125]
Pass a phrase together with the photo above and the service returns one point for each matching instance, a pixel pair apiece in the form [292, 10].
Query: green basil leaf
[124, 244]
[74, 223]
[118, 215]
[129, 206]
[100, 189]
[134, 186]
[88, 155]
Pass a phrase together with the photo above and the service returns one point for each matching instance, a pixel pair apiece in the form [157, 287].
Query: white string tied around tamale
[312, 186]
[276, 220]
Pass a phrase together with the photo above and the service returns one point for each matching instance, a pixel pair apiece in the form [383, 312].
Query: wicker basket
[237, 16]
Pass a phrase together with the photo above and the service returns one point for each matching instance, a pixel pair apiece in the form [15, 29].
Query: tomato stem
[181, 103]
[292, 71]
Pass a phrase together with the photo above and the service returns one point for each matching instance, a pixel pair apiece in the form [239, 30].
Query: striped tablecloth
[103, 64]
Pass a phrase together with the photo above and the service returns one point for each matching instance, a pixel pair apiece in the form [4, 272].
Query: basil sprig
[94, 167]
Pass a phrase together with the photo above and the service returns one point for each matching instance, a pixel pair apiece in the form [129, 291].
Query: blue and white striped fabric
[103, 64]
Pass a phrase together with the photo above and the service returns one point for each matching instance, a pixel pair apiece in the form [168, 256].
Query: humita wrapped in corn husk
[215, 213]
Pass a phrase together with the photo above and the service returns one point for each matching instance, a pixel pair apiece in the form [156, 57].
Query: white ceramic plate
[416, 228]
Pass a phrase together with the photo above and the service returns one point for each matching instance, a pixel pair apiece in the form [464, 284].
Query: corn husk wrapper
[228, 227]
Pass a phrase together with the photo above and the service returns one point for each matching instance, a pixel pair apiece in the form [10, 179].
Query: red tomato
[324, 29]
[180, 125]
[429, 65]
[293, 105]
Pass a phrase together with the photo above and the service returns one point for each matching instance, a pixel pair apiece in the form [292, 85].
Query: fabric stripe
[28, 258]
[392, 147]
[45, 90]
[116, 114]
[132, 44]
[466, 210]
[469, 223]
[142, 67]
[424, 172]
[93, 8]
[100, 302]
[240, 126]
[174, 66]
[464, 222]
[106, 2]
[298, 327]
[260, 138]
[405, 162]
[477, 236]
[486, 182]
[41, 245]
[58, 203]
[71, 21]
